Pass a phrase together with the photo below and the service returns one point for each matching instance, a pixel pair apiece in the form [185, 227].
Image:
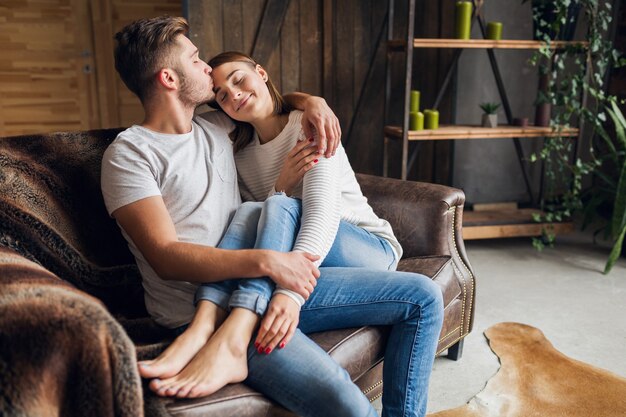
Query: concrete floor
[561, 291]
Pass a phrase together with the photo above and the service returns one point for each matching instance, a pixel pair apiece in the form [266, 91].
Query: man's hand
[278, 325]
[294, 271]
[298, 161]
[319, 118]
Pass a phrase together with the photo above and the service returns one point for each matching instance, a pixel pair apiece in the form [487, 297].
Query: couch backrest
[52, 212]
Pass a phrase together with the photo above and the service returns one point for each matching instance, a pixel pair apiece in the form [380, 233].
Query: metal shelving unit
[495, 223]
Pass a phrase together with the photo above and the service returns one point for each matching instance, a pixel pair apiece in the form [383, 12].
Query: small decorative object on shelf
[415, 101]
[431, 119]
[416, 120]
[463, 19]
[543, 108]
[494, 31]
[520, 121]
[490, 117]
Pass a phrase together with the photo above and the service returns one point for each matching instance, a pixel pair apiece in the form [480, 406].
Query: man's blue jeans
[304, 379]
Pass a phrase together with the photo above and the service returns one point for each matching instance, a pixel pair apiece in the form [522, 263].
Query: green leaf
[607, 140]
[608, 180]
[619, 209]
[620, 123]
[615, 252]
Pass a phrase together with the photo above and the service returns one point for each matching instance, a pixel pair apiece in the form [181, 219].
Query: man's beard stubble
[190, 94]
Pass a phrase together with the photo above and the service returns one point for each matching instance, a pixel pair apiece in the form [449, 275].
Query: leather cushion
[357, 349]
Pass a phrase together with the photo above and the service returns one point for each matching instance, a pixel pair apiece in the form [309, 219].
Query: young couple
[272, 269]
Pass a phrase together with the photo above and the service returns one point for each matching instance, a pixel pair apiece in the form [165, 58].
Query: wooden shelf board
[507, 223]
[478, 132]
[482, 44]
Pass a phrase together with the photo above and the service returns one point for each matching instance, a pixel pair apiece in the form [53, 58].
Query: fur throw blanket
[70, 293]
[61, 352]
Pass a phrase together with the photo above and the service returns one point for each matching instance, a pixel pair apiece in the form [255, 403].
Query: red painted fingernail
[256, 344]
[267, 350]
[315, 161]
[282, 345]
[260, 349]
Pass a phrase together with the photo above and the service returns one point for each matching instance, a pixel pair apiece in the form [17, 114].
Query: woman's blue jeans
[274, 224]
[304, 379]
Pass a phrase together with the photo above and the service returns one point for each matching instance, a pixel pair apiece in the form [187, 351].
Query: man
[171, 185]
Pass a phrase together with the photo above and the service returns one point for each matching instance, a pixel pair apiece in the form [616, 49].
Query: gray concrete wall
[488, 169]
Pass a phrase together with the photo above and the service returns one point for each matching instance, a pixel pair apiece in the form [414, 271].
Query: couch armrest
[60, 349]
[423, 216]
[427, 220]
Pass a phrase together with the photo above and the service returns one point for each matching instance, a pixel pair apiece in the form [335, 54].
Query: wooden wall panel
[41, 67]
[233, 31]
[344, 60]
[57, 72]
[290, 49]
[205, 26]
[311, 53]
[123, 12]
[325, 48]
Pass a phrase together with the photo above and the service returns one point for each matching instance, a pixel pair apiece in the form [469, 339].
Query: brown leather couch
[72, 318]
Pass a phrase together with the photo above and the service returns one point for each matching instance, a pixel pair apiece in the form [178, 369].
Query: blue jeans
[274, 224]
[303, 378]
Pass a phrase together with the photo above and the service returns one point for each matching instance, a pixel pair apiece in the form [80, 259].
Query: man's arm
[148, 223]
[317, 115]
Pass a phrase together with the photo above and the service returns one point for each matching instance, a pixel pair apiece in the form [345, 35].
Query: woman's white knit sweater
[329, 191]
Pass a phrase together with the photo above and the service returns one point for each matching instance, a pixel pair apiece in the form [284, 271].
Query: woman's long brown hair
[243, 133]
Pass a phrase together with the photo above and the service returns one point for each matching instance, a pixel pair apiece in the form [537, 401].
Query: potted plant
[576, 72]
[490, 115]
[606, 200]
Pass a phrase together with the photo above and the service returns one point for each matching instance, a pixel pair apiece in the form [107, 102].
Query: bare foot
[221, 361]
[169, 363]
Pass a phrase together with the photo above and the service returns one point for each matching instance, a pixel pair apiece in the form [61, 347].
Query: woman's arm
[317, 117]
[321, 207]
[321, 201]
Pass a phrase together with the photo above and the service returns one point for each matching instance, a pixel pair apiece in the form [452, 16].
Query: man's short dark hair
[143, 48]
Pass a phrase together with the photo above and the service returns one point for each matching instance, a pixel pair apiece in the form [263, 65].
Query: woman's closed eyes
[236, 81]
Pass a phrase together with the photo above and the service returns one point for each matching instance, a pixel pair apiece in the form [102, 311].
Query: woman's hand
[298, 161]
[278, 325]
[319, 118]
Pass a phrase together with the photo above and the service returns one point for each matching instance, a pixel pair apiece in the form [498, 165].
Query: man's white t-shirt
[195, 175]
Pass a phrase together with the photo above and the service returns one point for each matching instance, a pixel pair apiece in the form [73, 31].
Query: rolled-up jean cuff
[208, 293]
[249, 300]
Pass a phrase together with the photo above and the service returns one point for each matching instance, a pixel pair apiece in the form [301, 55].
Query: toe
[146, 370]
[156, 384]
[195, 392]
[184, 391]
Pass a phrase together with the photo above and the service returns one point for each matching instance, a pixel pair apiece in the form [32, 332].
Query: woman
[330, 218]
